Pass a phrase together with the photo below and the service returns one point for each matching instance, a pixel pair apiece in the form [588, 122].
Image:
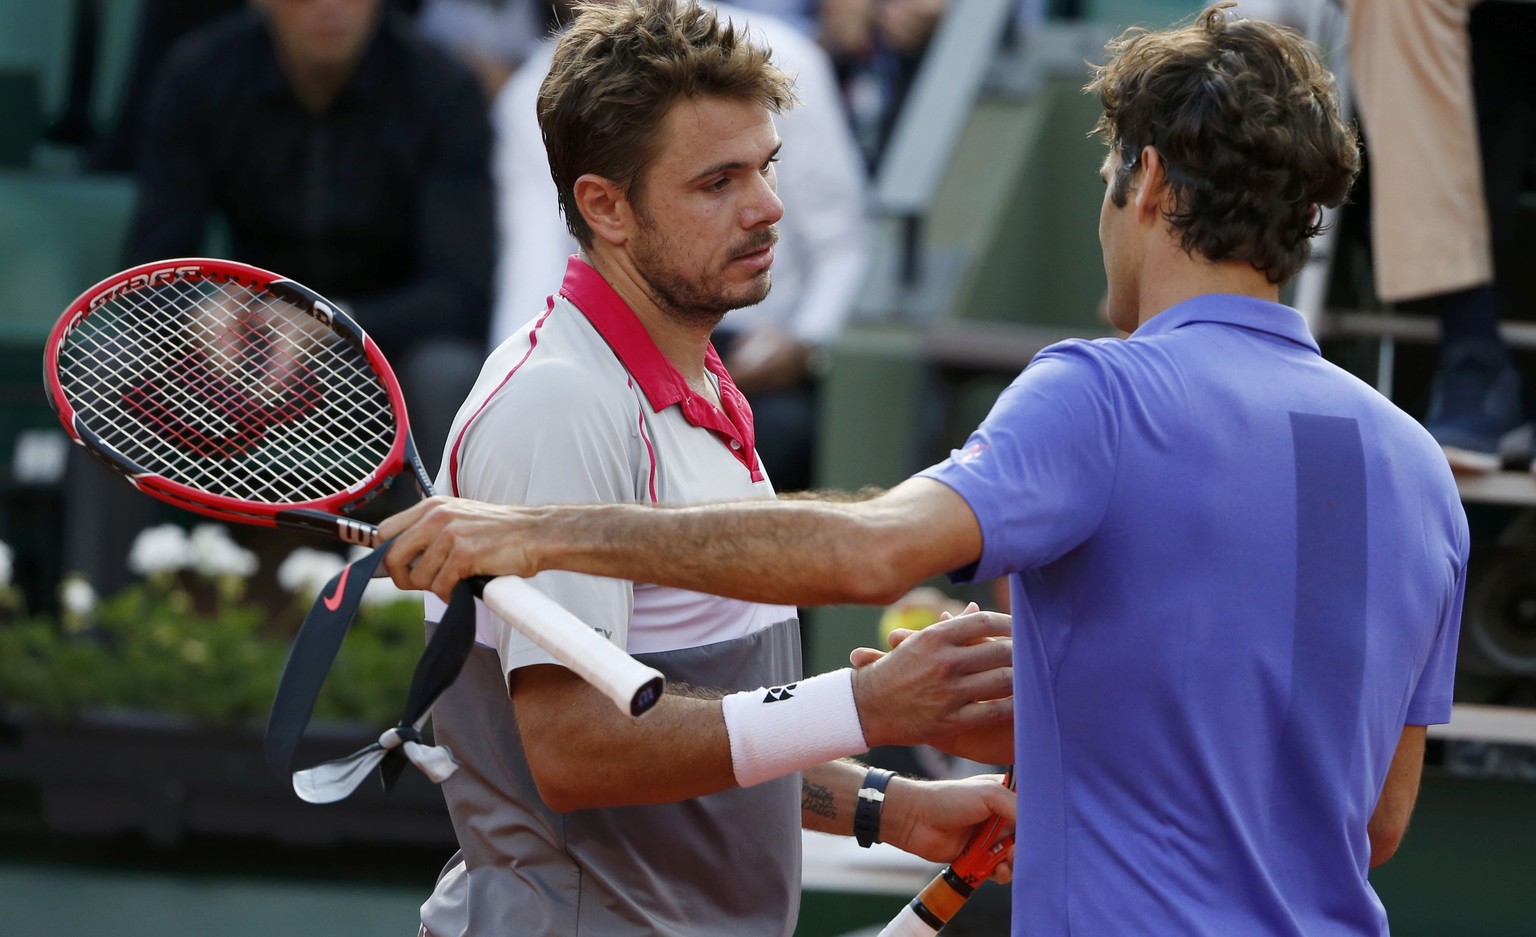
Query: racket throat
[345, 529]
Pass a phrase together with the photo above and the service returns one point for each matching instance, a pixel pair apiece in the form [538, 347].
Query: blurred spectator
[1296, 14]
[496, 36]
[161, 24]
[876, 48]
[772, 349]
[1411, 66]
[801, 14]
[493, 36]
[346, 153]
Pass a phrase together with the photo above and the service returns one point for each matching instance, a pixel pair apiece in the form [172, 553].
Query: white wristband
[778, 730]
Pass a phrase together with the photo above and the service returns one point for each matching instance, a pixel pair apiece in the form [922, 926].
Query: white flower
[194, 651]
[307, 570]
[6, 567]
[384, 591]
[214, 554]
[163, 549]
[77, 596]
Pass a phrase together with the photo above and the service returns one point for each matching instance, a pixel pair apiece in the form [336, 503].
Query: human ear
[1154, 185]
[605, 207]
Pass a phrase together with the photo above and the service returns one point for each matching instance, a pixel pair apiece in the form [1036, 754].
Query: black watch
[866, 815]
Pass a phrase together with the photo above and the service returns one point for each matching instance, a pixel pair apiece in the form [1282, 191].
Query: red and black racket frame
[324, 516]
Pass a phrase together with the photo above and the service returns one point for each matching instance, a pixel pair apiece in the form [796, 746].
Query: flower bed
[143, 711]
[188, 641]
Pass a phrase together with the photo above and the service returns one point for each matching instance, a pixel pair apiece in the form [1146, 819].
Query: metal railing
[922, 143]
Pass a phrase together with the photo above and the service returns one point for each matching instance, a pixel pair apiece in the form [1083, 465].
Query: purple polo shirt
[1236, 574]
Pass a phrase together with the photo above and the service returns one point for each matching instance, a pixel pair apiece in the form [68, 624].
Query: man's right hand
[949, 679]
[442, 540]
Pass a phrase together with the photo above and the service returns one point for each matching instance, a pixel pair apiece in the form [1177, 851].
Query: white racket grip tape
[632, 686]
[907, 924]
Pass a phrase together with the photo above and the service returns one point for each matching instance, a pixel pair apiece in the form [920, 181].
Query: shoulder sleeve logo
[972, 452]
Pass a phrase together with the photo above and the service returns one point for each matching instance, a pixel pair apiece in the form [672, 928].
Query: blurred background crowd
[940, 193]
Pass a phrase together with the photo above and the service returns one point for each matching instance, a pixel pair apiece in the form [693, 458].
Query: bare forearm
[585, 755]
[932, 819]
[1394, 806]
[809, 551]
[802, 552]
[827, 796]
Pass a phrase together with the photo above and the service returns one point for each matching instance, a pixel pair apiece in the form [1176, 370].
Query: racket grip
[907, 923]
[933, 906]
[632, 686]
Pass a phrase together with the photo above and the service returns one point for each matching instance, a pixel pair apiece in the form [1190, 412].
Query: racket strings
[210, 416]
[228, 389]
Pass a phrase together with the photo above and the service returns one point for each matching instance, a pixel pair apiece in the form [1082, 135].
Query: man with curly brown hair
[1236, 570]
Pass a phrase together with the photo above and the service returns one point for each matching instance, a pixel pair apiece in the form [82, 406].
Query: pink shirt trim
[661, 382]
[458, 440]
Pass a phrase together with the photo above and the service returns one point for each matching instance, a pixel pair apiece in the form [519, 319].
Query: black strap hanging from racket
[309, 660]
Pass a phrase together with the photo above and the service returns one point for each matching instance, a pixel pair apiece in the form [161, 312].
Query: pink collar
[662, 383]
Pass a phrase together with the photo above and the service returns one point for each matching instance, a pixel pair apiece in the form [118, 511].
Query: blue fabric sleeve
[1431, 700]
[1038, 472]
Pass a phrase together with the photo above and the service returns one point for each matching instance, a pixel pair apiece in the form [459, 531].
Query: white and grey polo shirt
[578, 407]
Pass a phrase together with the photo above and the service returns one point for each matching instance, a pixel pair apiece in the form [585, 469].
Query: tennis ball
[910, 617]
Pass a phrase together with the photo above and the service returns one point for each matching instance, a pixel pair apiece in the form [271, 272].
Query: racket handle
[932, 908]
[907, 923]
[632, 686]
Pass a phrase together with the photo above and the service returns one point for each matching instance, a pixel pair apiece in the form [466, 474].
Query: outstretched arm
[585, 755]
[949, 679]
[811, 551]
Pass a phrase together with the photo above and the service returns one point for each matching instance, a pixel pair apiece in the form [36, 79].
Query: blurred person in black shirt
[344, 152]
[160, 24]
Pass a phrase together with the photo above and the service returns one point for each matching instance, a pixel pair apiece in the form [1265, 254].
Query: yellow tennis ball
[911, 617]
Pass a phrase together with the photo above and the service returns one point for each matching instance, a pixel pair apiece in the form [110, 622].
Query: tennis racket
[238, 394]
[937, 903]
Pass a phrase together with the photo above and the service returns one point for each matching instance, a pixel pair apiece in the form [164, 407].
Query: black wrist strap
[866, 815]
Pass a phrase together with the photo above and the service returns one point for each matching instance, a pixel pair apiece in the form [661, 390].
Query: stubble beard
[697, 302]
